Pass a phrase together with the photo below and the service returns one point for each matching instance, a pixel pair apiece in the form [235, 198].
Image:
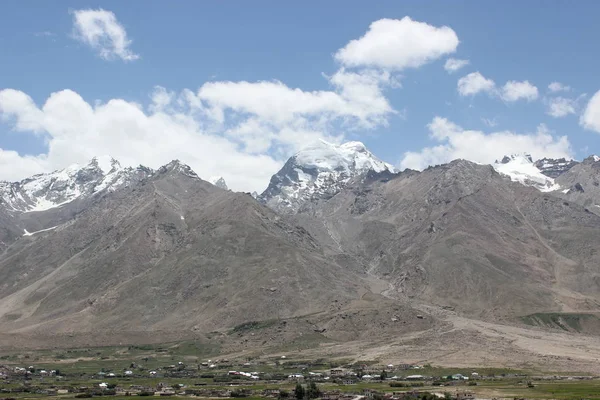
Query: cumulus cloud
[18, 106]
[558, 87]
[100, 30]
[398, 44]
[474, 83]
[453, 64]
[242, 131]
[455, 142]
[591, 115]
[514, 90]
[358, 97]
[260, 113]
[79, 131]
[559, 107]
[12, 164]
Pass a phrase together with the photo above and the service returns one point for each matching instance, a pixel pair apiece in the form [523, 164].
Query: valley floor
[452, 341]
[184, 369]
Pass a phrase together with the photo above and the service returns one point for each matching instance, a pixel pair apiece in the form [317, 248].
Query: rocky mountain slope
[172, 252]
[581, 183]
[568, 179]
[45, 201]
[461, 235]
[339, 241]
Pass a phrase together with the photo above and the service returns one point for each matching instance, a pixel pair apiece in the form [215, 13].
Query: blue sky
[406, 107]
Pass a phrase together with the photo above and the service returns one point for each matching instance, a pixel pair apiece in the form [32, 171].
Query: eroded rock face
[345, 237]
[553, 167]
[581, 184]
[464, 228]
[206, 258]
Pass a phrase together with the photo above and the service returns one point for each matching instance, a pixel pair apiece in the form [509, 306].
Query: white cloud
[559, 107]
[358, 96]
[514, 90]
[591, 116]
[266, 112]
[474, 83]
[240, 130]
[558, 87]
[398, 44]
[161, 99]
[14, 166]
[363, 94]
[453, 64]
[17, 105]
[455, 142]
[79, 131]
[100, 30]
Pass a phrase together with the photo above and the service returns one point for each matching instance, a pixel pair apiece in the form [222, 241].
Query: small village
[281, 379]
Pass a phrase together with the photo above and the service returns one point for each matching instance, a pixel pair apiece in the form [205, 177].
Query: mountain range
[340, 243]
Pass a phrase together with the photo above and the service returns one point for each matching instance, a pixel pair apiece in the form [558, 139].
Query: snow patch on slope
[520, 168]
[41, 230]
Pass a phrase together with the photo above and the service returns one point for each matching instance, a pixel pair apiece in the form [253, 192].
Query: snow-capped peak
[177, 166]
[320, 170]
[325, 156]
[219, 182]
[521, 168]
[522, 158]
[50, 190]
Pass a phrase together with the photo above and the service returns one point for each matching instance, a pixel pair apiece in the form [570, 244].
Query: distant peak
[320, 170]
[592, 159]
[177, 166]
[219, 182]
[519, 157]
[324, 156]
